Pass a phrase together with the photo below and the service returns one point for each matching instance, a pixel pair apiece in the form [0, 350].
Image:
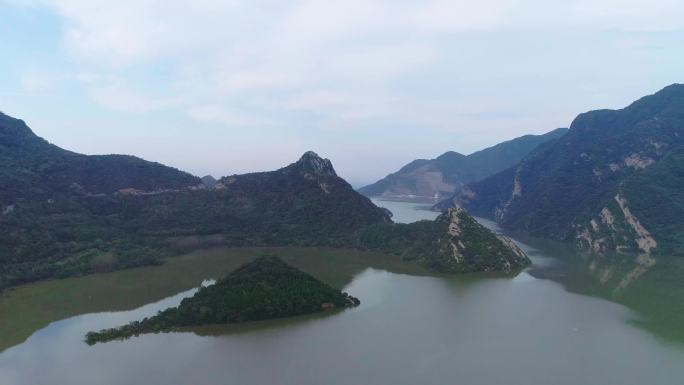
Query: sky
[232, 86]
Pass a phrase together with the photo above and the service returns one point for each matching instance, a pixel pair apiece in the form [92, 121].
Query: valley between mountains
[612, 182]
[572, 240]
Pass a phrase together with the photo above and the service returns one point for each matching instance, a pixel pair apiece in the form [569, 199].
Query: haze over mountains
[440, 177]
[615, 181]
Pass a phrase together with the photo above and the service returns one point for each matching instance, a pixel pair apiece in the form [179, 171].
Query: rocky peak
[455, 213]
[310, 164]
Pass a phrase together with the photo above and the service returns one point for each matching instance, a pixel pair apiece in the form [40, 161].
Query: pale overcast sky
[227, 87]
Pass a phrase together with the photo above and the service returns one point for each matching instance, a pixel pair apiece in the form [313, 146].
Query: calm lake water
[409, 329]
[407, 212]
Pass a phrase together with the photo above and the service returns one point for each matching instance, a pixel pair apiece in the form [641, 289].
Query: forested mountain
[265, 288]
[32, 168]
[442, 176]
[59, 210]
[615, 181]
[453, 243]
[64, 214]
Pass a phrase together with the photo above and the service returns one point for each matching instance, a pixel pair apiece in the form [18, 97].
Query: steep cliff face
[440, 177]
[615, 228]
[611, 183]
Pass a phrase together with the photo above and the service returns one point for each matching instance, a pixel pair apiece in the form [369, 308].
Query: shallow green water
[551, 324]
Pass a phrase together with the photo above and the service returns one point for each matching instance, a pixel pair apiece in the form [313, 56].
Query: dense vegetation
[59, 209]
[562, 188]
[417, 177]
[265, 288]
[69, 216]
[455, 243]
[33, 169]
[657, 195]
[64, 214]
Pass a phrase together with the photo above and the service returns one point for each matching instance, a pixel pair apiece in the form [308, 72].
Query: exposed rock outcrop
[612, 183]
[471, 244]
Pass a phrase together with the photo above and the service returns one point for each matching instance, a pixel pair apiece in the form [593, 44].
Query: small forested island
[265, 288]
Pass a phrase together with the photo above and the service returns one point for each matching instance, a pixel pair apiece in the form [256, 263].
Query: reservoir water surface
[549, 324]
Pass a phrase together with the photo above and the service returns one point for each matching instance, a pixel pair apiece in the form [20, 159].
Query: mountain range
[613, 182]
[65, 214]
[441, 177]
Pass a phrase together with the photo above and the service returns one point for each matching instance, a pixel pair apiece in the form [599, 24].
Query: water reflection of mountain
[651, 286]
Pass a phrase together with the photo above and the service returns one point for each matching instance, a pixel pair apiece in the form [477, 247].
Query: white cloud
[241, 47]
[125, 32]
[441, 67]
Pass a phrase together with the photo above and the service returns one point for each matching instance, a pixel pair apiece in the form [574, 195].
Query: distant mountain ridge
[613, 182]
[440, 177]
